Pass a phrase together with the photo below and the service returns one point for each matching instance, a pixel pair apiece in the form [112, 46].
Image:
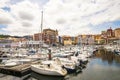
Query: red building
[37, 37]
[49, 36]
[110, 33]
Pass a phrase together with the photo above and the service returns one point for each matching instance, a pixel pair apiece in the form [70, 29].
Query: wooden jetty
[18, 70]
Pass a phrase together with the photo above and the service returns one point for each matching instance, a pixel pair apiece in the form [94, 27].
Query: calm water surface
[103, 66]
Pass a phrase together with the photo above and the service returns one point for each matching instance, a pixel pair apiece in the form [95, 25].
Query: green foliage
[4, 36]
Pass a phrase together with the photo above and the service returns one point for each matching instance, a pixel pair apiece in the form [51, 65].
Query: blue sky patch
[6, 9]
[2, 26]
[106, 25]
[3, 31]
[15, 1]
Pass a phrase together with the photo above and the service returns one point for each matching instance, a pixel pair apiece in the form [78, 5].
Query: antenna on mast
[41, 26]
[41, 20]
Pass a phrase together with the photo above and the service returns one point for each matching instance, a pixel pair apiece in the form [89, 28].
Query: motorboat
[49, 68]
[117, 51]
[9, 63]
[69, 65]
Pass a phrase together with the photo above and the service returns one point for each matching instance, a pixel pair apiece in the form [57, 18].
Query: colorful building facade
[86, 39]
[117, 33]
[49, 36]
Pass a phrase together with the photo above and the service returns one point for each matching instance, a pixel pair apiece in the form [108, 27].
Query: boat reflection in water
[36, 76]
[110, 57]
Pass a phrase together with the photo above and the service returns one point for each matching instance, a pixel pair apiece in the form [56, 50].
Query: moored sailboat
[47, 68]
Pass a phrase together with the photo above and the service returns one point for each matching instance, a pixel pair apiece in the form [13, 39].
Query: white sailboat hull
[49, 72]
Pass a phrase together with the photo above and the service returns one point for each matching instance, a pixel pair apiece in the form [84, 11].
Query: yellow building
[75, 41]
[117, 33]
[98, 38]
[67, 40]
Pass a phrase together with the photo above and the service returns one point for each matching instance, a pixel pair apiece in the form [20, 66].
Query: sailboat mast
[40, 31]
[41, 24]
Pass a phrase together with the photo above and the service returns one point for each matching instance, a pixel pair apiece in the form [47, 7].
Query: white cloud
[26, 18]
[5, 17]
[4, 3]
[70, 17]
[26, 24]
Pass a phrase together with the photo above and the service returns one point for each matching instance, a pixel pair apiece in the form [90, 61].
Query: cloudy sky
[69, 17]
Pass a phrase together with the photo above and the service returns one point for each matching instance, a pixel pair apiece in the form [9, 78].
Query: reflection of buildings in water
[72, 75]
[75, 74]
[107, 56]
[117, 59]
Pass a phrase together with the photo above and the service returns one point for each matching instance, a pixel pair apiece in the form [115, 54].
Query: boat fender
[49, 65]
[63, 66]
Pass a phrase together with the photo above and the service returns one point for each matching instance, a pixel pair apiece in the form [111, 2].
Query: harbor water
[102, 66]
